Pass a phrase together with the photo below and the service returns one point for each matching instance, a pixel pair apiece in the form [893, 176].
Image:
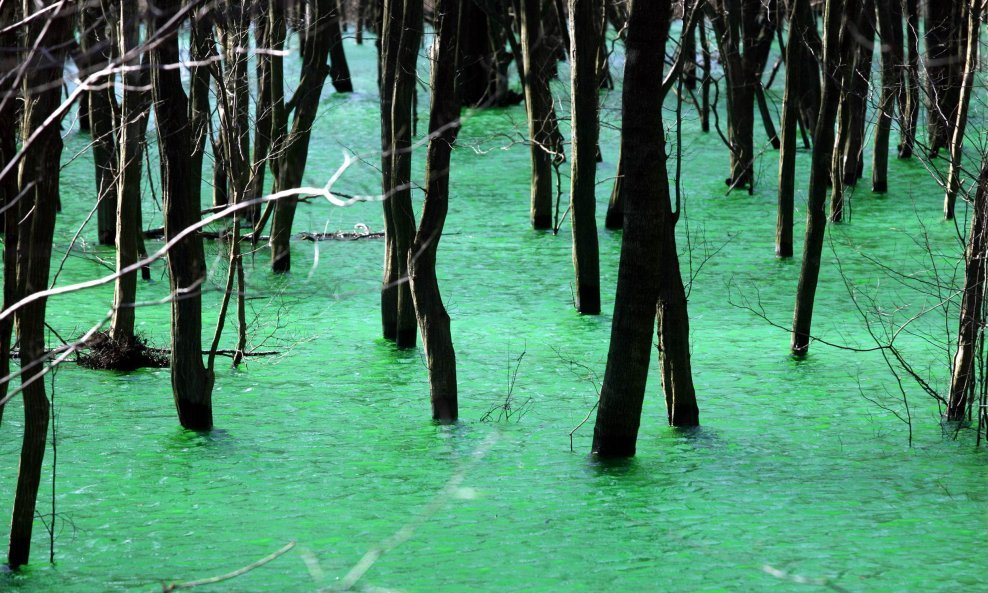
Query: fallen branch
[166, 588]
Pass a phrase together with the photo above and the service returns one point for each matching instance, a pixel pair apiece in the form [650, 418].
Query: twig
[166, 588]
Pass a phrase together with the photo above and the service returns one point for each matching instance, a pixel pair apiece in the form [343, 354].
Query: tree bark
[444, 123]
[192, 383]
[584, 18]
[339, 71]
[9, 190]
[39, 177]
[648, 271]
[837, 55]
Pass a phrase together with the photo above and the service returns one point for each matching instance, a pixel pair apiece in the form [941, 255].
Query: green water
[794, 475]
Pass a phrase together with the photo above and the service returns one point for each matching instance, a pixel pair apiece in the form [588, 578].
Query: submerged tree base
[103, 352]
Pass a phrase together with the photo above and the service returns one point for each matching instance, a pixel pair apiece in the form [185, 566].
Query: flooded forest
[493, 295]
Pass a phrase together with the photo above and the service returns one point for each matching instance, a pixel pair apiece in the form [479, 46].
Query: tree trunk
[614, 220]
[339, 71]
[294, 151]
[97, 45]
[12, 210]
[539, 66]
[849, 142]
[647, 272]
[910, 101]
[444, 123]
[389, 41]
[837, 56]
[192, 383]
[134, 111]
[972, 314]
[584, 18]
[944, 51]
[963, 104]
[39, 174]
[790, 116]
[893, 89]
[401, 196]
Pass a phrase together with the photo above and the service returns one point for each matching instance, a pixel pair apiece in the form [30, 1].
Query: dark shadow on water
[615, 466]
[182, 439]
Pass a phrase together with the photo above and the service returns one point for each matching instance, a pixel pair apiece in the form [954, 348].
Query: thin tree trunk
[944, 48]
[584, 16]
[39, 181]
[790, 117]
[893, 66]
[388, 43]
[964, 101]
[707, 80]
[836, 58]
[444, 123]
[614, 220]
[9, 190]
[972, 315]
[134, 108]
[98, 47]
[911, 103]
[294, 151]
[538, 102]
[192, 383]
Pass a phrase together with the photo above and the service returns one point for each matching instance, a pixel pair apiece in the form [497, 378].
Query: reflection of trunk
[97, 46]
[890, 33]
[648, 273]
[584, 19]
[401, 162]
[444, 123]
[790, 114]
[972, 314]
[8, 185]
[945, 40]
[539, 66]
[837, 56]
[910, 101]
[963, 103]
[39, 181]
[134, 109]
[192, 384]
[291, 165]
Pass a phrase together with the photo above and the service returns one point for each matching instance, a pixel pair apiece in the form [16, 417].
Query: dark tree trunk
[648, 272]
[444, 123]
[910, 102]
[134, 111]
[614, 220]
[972, 314]
[849, 142]
[836, 60]
[974, 14]
[388, 44]
[893, 89]
[944, 61]
[539, 68]
[39, 181]
[790, 117]
[339, 71]
[192, 383]
[12, 214]
[584, 19]
[707, 81]
[401, 162]
[294, 151]
[98, 48]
